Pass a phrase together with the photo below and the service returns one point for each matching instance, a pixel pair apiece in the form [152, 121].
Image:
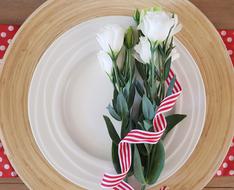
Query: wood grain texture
[217, 183]
[57, 16]
[16, 11]
[227, 182]
[12, 184]
[221, 188]
[220, 12]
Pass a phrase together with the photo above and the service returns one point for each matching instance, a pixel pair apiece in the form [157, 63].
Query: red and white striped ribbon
[139, 137]
[164, 188]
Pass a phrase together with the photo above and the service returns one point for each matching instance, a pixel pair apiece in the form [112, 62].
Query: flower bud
[129, 38]
[137, 16]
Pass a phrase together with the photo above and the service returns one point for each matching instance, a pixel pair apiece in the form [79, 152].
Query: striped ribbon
[164, 188]
[139, 137]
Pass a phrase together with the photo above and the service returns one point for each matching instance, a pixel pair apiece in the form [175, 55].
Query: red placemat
[7, 32]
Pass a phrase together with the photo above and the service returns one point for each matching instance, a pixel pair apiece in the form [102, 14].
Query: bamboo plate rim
[55, 17]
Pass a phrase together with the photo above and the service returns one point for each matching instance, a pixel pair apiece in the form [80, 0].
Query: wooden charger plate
[56, 17]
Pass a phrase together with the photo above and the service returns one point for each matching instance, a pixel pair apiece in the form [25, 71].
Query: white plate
[68, 96]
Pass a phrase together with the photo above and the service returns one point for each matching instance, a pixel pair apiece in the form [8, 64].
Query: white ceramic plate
[68, 96]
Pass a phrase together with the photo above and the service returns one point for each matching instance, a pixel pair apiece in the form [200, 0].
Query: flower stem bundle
[148, 47]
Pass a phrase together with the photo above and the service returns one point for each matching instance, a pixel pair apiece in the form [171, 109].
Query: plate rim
[211, 63]
[43, 66]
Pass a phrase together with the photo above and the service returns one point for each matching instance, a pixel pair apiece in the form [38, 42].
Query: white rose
[105, 62]
[143, 50]
[111, 36]
[156, 25]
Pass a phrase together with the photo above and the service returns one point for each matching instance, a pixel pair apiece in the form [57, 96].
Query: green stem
[116, 75]
[152, 73]
[143, 187]
[148, 163]
[129, 60]
[126, 179]
[162, 93]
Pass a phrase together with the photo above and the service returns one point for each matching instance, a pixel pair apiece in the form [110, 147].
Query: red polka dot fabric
[227, 167]
[7, 32]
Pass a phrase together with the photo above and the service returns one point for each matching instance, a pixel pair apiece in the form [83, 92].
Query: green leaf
[115, 158]
[138, 169]
[122, 106]
[129, 38]
[167, 68]
[113, 113]
[140, 126]
[147, 88]
[153, 90]
[171, 86]
[161, 50]
[114, 100]
[147, 108]
[157, 100]
[126, 90]
[136, 16]
[139, 88]
[111, 130]
[157, 160]
[131, 96]
[141, 70]
[147, 125]
[125, 127]
[142, 149]
[172, 121]
[115, 93]
[169, 50]
[131, 170]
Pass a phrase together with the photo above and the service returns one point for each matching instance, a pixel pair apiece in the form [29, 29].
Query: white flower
[143, 50]
[156, 25]
[145, 11]
[105, 62]
[111, 36]
[177, 26]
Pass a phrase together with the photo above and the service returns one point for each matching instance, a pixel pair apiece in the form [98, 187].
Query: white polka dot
[229, 39]
[231, 158]
[9, 41]
[13, 174]
[0, 159]
[230, 52]
[6, 166]
[231, 172]
[1, 173]
[2, 48]
[219, 173]
[3, 34]
[225, 165]
[223, 33]
[10, 28]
